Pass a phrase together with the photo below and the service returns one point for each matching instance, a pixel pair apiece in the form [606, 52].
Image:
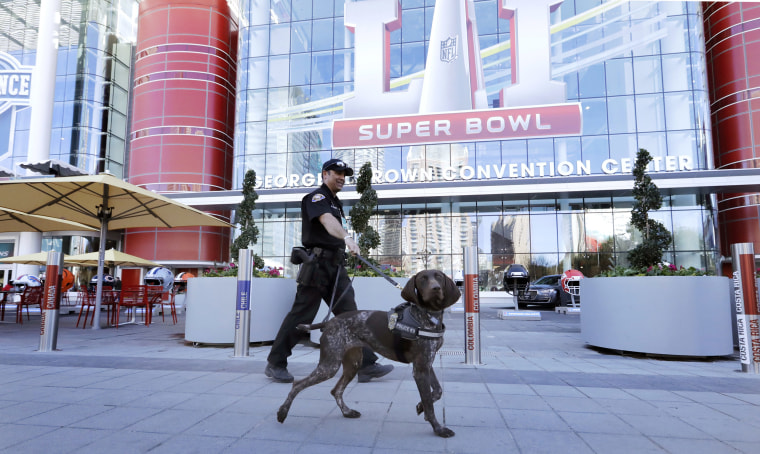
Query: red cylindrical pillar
[183, 118]
[732, 38]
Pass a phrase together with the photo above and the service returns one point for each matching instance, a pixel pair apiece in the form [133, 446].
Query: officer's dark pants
[306, 306]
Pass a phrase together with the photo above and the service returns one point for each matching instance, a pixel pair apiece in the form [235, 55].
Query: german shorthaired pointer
[429, 292]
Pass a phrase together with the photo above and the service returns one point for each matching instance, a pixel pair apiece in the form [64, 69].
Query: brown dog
[431, 292]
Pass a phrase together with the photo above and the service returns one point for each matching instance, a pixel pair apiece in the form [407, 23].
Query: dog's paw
[444, 432]
[282, 413]
[352, 414]
[420, 408]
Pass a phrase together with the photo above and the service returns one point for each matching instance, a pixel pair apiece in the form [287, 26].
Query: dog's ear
[409, 293]
[451, 292]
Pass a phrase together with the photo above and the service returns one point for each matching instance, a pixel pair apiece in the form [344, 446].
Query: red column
[732, 36]
[183, 118]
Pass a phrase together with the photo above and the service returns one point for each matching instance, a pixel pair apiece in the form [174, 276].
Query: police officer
[325, 239]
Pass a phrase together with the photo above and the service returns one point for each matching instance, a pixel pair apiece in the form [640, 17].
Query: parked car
[546, 291]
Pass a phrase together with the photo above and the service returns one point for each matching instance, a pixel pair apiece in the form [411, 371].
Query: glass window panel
[678, 38]
[258, 76]
[491, 237]
[279, 71]
[488, 154]
[592, 81]
[412, 59]
[688, 234]
[256, 102]
[568, 149]
[650, 112]
[676, 71]
[655, 144]
[514, 238]
[486, 17]
[339, 33]
[622, 146]
[596, 149]
[595, 116]
[679, 110]
[540, 150]
[300, 37]
[321, 67]
[322, 34]
[413, 21]
[685, 144]
[322, 9]
[543, 233]
[540, 265]
[571, 86]
[621, 112]
[599, 229]
[647, 74]
[301, 9]
[571, 235]
[300, 69]
[619, 76]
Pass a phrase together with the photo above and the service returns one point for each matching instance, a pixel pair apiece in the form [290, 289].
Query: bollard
[471, 306]
[747, 304]
[51, 302]
[243, 314]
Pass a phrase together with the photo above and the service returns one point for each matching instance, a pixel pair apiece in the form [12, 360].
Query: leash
[337, 277]
[377, 270]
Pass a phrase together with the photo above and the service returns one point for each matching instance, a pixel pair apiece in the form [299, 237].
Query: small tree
[249, 233]
[361, 213]
[646, 194]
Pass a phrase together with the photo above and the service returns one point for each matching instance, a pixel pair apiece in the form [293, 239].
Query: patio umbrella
[18, 221]
[38, 258]
[112, 257]
[102, 201]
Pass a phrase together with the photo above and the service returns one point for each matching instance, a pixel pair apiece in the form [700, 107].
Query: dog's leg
[326, 369]
[351, 361]
[423, 372]
[436, 389]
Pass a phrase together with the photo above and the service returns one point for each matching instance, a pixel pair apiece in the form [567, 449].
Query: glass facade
[636, 68]
[93, 80]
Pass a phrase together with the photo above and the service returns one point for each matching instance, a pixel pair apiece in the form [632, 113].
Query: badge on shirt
[317, 197]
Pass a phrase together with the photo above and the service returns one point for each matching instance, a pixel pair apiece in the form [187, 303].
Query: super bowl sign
[15, 82]
[449, 103]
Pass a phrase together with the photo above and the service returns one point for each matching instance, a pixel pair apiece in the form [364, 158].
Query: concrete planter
[210, 306]
[664, 315]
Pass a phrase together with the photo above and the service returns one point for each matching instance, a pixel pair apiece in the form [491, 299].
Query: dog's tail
[304, 327]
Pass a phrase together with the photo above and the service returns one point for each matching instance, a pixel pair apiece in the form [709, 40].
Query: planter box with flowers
[211, 306]
[662, 312]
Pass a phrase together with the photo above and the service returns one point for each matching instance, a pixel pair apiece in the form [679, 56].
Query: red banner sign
[468, 126]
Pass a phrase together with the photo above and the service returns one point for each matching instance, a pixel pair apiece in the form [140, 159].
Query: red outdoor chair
[132, 297]
[88, 302]
[31, 296]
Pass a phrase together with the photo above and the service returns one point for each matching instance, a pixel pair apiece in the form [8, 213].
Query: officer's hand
[352, 246]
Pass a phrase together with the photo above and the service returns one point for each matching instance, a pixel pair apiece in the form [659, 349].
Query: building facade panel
[731, 38]
[184, 95]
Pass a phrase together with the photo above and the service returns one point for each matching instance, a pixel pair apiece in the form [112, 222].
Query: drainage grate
[461, 353]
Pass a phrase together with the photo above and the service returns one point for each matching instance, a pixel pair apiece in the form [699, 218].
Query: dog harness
[401, 320]
[406, 327]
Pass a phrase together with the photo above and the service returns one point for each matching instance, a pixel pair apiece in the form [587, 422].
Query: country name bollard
[747, 305]
[51, 302]
[471, 306]
[243, 313]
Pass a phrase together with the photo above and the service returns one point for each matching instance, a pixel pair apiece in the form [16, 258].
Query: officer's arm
[334, 228]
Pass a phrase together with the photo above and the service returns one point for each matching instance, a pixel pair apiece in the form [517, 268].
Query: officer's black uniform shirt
[314, 205]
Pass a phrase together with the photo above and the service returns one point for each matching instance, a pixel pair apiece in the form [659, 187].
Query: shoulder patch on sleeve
[317, 197]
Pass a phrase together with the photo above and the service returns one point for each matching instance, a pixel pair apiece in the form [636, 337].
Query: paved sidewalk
[144, 389]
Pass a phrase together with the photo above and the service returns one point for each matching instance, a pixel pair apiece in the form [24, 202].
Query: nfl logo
[449, 49]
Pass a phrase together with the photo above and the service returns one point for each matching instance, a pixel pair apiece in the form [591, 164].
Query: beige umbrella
[102, 201]
[38, 258]
[111, 257]
[17, 221]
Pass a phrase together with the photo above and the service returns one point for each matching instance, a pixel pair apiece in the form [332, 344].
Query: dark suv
[546, 291]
